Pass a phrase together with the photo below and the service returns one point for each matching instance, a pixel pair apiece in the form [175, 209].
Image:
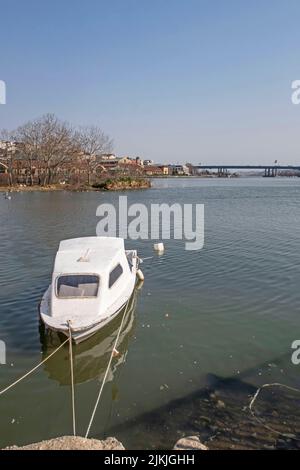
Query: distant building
[108, 163]
[192, 170]
[153, 170]
[180, 170]
[156, 170]
[7, 147]
[164, 168]
[127, 161]
[108, 156]
[148, 162]
[8, 150]
[139, 161]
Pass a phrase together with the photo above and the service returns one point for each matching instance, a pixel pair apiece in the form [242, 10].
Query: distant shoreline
[120, 184]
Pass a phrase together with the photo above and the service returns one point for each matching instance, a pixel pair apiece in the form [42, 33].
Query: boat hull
[81, 335]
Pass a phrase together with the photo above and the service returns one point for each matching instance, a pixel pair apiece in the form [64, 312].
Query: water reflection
[91, 356]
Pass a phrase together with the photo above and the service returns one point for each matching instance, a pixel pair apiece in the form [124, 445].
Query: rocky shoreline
[123, 183]
[111, 443]
[215, 418]
[114, 184]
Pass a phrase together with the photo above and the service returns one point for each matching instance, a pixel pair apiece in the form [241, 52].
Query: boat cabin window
[77, 285]
[114, 275]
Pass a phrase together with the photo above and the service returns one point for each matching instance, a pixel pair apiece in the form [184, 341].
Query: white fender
[140, 275]
[159, 247]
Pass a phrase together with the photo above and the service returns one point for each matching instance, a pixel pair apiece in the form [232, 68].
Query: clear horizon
[196, 81]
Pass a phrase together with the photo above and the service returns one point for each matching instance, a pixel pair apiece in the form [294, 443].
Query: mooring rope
[254, 399]
[34, 368]
[72, 379]
[106, 372]
[69, 339]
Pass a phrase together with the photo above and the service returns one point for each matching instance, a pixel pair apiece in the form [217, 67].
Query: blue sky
[190, 80]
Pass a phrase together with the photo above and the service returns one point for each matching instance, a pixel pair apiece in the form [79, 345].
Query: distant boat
[93, 279]
[7, 196]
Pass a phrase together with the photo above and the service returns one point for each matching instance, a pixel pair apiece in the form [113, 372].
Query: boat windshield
[77, 285]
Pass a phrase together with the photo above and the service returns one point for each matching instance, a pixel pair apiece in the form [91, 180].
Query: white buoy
[159, 247]
[140, 275]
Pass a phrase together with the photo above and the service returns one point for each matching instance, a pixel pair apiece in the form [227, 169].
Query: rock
[290, 436]
[214, 428]
[72, 443]
[220, 404]
[190, 443]
[205, 418]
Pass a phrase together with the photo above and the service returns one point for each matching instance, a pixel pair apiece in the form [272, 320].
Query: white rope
[32, 370]
[255, 397]
[72, 379]
[106, 373]
[141, 260]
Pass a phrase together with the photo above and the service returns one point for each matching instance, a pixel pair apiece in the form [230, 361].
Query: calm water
[229, 311]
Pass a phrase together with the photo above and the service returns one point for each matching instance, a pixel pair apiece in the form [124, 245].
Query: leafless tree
[48, 147]
[93, 142]
[58, 146]
[45, 144]
[30, 141]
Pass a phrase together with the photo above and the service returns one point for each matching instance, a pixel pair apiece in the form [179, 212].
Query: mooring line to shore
[72, 378]
[106, 372]
[275, 384]
[34, 369]
[69, 340]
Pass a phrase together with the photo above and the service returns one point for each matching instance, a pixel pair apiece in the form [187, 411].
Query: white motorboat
[92, 281]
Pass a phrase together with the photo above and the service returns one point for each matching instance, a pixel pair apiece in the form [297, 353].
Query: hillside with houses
[49, 152]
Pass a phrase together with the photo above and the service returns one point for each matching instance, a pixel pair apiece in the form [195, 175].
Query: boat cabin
[89, 273]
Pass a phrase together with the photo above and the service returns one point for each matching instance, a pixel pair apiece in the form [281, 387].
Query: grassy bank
[111, 184]
[122, 183]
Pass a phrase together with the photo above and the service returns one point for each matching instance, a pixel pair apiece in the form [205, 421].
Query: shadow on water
[219, 414]
[91, 356]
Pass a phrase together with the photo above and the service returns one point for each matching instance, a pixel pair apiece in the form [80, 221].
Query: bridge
[269, 170]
